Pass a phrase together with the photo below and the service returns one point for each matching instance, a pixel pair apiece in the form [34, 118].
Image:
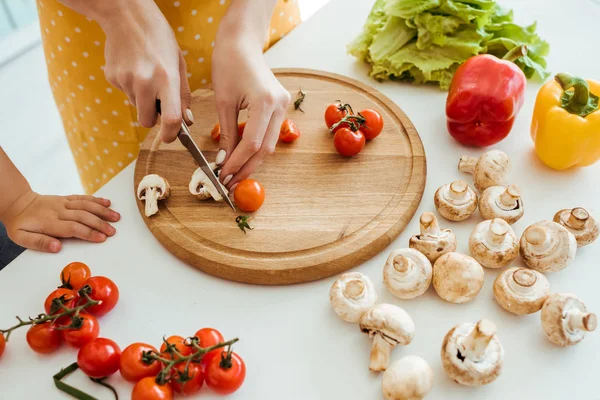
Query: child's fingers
[92, 207]
[68, 229]
[88, 219]
[37, 241]
[99, 200]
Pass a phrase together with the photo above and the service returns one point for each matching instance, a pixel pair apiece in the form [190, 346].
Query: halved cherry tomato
[148, 389]
[44, 338]
[347, 142]
[289, 131]
[249, 195]
[208, 337]
[215, 133]
[2, 344]
[179, 343]
[99, 358]
[189, 384]
[69, 299]
[89, 330]
[373, 124]
[225, 374]
[74, 275]
[241, 127]
[132, 366]
[334, 113]
[105, 291]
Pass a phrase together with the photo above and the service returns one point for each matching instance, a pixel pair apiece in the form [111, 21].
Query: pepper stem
[579, 101]
[515, 53]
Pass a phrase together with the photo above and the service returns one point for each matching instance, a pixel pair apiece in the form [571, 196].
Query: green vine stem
[76, 393]
[354, 121]
[580, 101]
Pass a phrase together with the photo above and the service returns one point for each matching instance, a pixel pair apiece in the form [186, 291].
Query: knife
[186, 139]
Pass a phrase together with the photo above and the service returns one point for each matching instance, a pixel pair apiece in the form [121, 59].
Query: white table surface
[294, 345]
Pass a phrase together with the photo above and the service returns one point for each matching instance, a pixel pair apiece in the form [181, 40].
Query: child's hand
[36, 221]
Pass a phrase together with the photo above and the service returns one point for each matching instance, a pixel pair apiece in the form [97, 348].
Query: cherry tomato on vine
[225, 374]
[249, 195]
[289, 131]
[2, 344]
[44, 338]
[88, 331]
[334, 113]
[195, 378]
[241, 127]
[132, 367]
[179, 343]
[373, 124]
[75, 274]
[148, 389]
[347, 142]
[105, 291]
[208, 337]
[99, 358]
[215, 133]
[70, 297]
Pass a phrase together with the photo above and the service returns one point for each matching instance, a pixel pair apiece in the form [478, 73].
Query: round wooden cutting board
[323, 213]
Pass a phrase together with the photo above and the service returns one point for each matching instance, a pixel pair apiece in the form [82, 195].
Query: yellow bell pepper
[566, 123]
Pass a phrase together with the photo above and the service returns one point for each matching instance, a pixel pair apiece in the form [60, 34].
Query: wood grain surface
[323, 213]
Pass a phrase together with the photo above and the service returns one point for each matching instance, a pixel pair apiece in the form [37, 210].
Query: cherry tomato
[225, 374]
[75, 274]
[2, 344]
[249, 195]
[215, 133]
[289, 131]
[208, 337]
[132, 367]
[69, 299]
[241, 127]
[191, 386]
[334, 113]
[89, 330]
[148, 389]
[347, 142]
[373, 124]
[105, 291]
[99, 358]
[44, 338]
[179, 343]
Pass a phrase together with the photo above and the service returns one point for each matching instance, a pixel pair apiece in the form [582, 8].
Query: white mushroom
[491, 169]
[151, 189]
[351, 295]
[565, 319]
[521, 290]
[202, 187]
[493, 243]
[502, 202]
[547, 246]
[388, 326]
[580, 223]
[409, 378]
[455, 201]
[472, 354]
[457, 278]
[432, 241]
[407, 273]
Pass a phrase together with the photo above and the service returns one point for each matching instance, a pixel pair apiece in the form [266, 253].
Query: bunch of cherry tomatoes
[351, 131]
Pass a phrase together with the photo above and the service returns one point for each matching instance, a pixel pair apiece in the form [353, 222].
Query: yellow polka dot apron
[100, 124]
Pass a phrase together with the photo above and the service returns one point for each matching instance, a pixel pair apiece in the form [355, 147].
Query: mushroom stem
[580, 321]
[510, 196]
[429, 225]
[578, 218]
[467, 164]
[458, 190]
[538, 237]
[380, 353]
[354, 289]
[497, 232]
[151, 198]
[402, 264]
[473, 346]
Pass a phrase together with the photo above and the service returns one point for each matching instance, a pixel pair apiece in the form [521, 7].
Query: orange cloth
[100, 124]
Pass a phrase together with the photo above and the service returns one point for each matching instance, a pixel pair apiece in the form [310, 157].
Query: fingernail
[101, 236]
[55, 247]
[233, 188]
[221, 157]
[227, 179]
[115, 215]
[189, 115]
[111, 230]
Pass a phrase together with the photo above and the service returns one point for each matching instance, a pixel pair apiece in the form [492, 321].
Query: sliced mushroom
[502, 202]
[493, 243]
[409, 378]
[202, 187]
[151, 189]
[388, 326]
[407, 273]
[457, 278]
[351, 295]
[547, 246]
[491, 169]
[565, 319]
[521, 290]
[432, 241]
[472, 354]
[580, 223]
[455, 201]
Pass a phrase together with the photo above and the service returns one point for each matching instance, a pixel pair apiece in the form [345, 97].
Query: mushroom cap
[392, 322]
[585, 228]
[455, 201]
[547, 246]
[431, 240]
[201, 186]
[493, 243]
[521, 290]
[457, 278]
[409, 378]
[556, 326]
[491, 169]
[351, 295]
[491, 206]
[407, 273]
[464, 370]
[157, 181]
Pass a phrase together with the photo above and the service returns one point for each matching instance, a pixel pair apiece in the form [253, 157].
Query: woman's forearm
[106, 11]
[248, 19]
[13, 185]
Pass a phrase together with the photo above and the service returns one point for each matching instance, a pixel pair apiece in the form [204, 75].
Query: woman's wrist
[246, 23]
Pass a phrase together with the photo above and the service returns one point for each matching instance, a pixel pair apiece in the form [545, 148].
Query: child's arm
[37, 221]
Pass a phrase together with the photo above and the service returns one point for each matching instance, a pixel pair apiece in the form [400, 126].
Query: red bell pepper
[486, 93]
